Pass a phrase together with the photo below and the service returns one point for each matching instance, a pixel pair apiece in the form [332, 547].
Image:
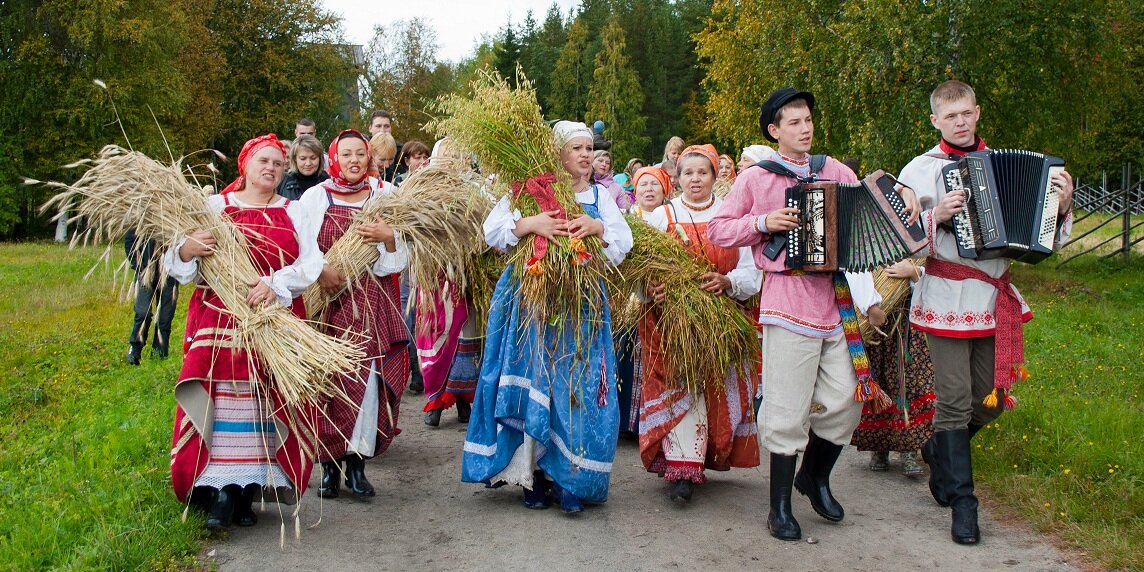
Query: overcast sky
[459, 23]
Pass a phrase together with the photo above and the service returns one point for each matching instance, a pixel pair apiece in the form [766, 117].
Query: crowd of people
[546, 401]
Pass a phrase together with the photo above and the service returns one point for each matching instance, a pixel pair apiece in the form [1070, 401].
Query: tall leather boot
[813, 479]
[954, 456]
[781, 520]
[223, 508]
[355, 477]
[936, 473]
[331, 480]
[464, 410]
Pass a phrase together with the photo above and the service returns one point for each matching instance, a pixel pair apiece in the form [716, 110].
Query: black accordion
[1010, 204]
[850, 227]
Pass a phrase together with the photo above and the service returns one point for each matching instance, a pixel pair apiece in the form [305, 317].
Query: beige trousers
[808, 384]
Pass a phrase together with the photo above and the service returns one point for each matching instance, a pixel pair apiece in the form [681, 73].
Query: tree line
[1059, 77]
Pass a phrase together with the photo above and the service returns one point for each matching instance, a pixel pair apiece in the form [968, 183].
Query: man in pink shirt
[808, 372]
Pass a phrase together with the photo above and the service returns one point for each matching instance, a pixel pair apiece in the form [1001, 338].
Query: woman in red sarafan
[362, 422]
[682, 433]
[233, 441]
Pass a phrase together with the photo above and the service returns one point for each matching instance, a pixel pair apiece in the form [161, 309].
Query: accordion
[850, 227]
[1010, 204]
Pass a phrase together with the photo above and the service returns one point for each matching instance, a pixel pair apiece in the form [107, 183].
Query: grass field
[84, 483]
[85, 438]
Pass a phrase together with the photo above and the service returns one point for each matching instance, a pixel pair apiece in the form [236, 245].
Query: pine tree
[543, 50]
[507, 52]
[616, 97]
[570, 77]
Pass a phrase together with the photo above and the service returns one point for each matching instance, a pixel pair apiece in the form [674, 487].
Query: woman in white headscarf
[545, 415]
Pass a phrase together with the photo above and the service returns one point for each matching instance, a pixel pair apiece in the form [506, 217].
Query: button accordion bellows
[850, 227]
[1011, 204]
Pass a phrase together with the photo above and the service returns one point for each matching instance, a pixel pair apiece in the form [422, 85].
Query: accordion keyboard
[794, 237]
[1048, 231]
[965, 228]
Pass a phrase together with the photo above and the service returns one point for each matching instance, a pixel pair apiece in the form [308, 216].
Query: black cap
[775, 102]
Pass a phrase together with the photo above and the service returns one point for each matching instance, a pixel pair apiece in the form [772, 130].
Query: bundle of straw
[437, 213]
[894, 292]
[127, 190]
[504, 128]
[704, 334]
[482, 273]
[721, 188]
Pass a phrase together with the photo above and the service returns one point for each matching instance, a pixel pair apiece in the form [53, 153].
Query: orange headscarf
[659, 175]
[705, 150]
[248, 150]
[731, 177]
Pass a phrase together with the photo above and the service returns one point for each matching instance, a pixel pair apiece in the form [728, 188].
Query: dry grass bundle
[482, 272]
[626, 312]
[894, 292]
[439, 215]
[504, 128]
[721, 188]
[703, 334]
[124, 190]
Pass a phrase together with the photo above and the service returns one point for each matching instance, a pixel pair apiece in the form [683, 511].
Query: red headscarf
[337, 183]
[705, 150]
[656, 173]
[248, 150]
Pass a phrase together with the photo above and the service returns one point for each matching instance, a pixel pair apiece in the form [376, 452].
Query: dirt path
[424, 518]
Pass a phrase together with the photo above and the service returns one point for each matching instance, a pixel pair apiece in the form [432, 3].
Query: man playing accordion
[810, 374]
[971, 314]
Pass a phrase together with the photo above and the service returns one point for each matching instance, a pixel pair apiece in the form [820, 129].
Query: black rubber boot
[681, 491]
[813, 479]
[355, 477]
[331, 480]
[936, 473]
[433, 417]
[464, 410]
[223, 508]
[781, 520]
[244, 514]
[954, 456]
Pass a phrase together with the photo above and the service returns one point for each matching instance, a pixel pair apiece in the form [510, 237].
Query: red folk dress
[230, 427]
[368, 313]
[729, 437]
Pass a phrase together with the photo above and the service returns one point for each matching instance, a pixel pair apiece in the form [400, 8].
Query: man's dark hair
[305, 122]
[380, 113]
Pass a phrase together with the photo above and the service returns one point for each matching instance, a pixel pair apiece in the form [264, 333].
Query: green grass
[84, 478]
[1069, 458]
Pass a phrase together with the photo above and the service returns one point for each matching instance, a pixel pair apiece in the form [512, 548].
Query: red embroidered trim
[797, 321]
[683, 470]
